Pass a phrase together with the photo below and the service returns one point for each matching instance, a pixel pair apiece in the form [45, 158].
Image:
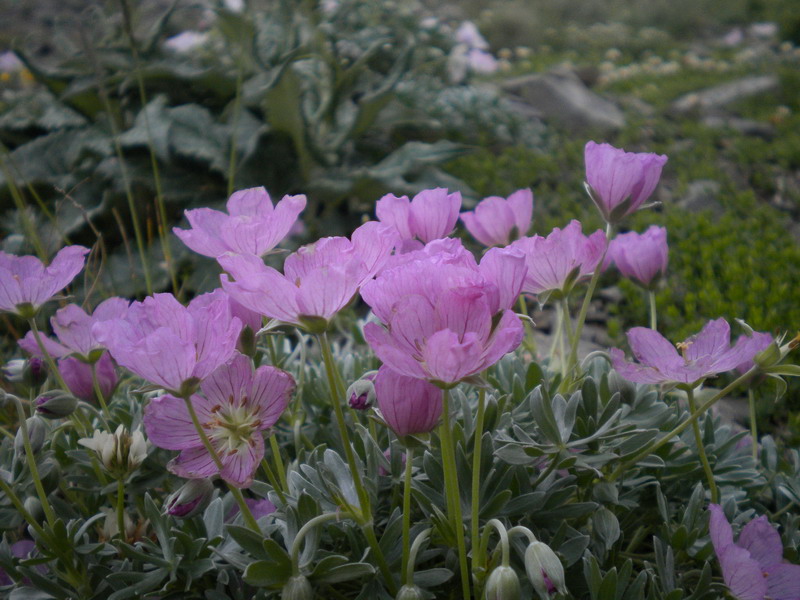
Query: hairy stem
[406, 515]
[701, 449]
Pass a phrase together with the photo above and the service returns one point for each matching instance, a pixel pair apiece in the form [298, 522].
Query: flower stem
[31, 460]
[121, 508]
[406, 515]
[529, 341]
[235, 492]
[298, 539]
[276, 456]
[665, 439]
[364, 517]
[452, 491]
[753, 423]
[100, 398]
[476, 474]
[47, 357]
[701, 449]
[651, 295]
[272, 480]
[412, 556]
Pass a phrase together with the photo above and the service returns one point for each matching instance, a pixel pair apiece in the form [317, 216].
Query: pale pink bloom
[318, 280]
[560, 260]
[253, 225]
[446, 318]
[408, 405]
[26, 284]
[237, 403]
[753, 566]
[78, 376]
[620, 181]
[481, 61]
[431, 215]
[169, 344]
[498, 221]
[468, 34]
[642, 258]
[703, 355]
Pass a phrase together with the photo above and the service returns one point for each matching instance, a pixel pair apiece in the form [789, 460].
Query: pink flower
[318, 281]
[26, 284]
[408, 405]
[497, 221]
[236, 405]
[642, 258]
[78, 376]
[445, 317]
[169, 344]
[252, 226]
[620, 182]
[468, 34]
[431, 215]
[562, 259]
[703, 355]
[753, 567]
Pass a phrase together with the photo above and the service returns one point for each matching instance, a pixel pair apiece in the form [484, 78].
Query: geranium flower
[431, 215]
[237, 403]
[642, 258]
[317, 281]
[169, 344]
[408, 405]
[498, 221]
[619, 182]
[26, 284]
[753, 567]
[703, 355]
[560, 260]
[445, 317]
[253, 225]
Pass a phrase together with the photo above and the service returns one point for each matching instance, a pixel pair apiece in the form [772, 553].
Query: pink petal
[204, 235]
[762, 541]
[463, 310]
[322, 253]
[327, 290]
[433, 213]
[713, 339]
[238, 466]
[168, 424]
[653, 349]
[633, 372]
[491, 222]
[395, 212]
[506, 269]
[448, 359]
[412, 321]
[373, 242]
[74, 329]
[506, 337]
[742, 574]
[387, 350]
[216, 332]
[408, 405]
[54, 349]
[783, 581]
[193, 463]
[252, 202]
[521, 204]
[259, 288]
[269, 394]
[720, 529]
[230, 383]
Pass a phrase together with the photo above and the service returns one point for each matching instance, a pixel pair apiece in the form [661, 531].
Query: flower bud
[543, 566]
[190, 499]
[503, 584]
[34, 507]
[37, 432]
[361, 394]
[409, 592]
[56, 404]
[35, 372]
[297, 588]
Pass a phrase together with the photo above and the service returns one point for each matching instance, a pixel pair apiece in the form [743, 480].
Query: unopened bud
[503, 584]
[191, 498]
[409, 592]
[37, 432]
[34, 507]
[35, 372]
[56, 404]
[297, 588]
[361, 394]
[543, 567]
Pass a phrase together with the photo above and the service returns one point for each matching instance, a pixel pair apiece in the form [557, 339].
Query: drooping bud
[503, 584]
[35, 372]
[55, 404]
[120, 452]
[409, 592]
[37, 432]
[190, 499]
[297, 588]
[361, 394]
[543, 567]
[34, 507]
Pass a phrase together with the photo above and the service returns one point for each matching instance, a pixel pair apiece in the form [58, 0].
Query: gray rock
[701, 195]
[721, 95]
[562, 97]
[743, 126]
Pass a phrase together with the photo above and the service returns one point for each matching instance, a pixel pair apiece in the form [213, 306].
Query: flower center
[232, 426]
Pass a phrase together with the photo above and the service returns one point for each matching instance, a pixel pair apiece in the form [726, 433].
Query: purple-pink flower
[619, 182]
[498, 221]
[642, 258]
[408, 405]
[252, 225]
[431, 215]
[169, 344]
[237, 403]
[703, 355]
[560, 260]
[26, 284]
[753, 567]
[445, 317]
[317, 281]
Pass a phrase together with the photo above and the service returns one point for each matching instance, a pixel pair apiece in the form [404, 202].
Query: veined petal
[193, 463]
[742, 574]
[168, 424]
[269, 394]
[239, 465]
[762, 541]
[713, 339]
[388, 351]
[783, 581]
[229, 383]
[408, 405]
[633, 372]
[395, 212]
[653, 349]
[448, 359]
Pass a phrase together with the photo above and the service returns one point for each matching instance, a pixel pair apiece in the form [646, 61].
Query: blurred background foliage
[117, 121]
